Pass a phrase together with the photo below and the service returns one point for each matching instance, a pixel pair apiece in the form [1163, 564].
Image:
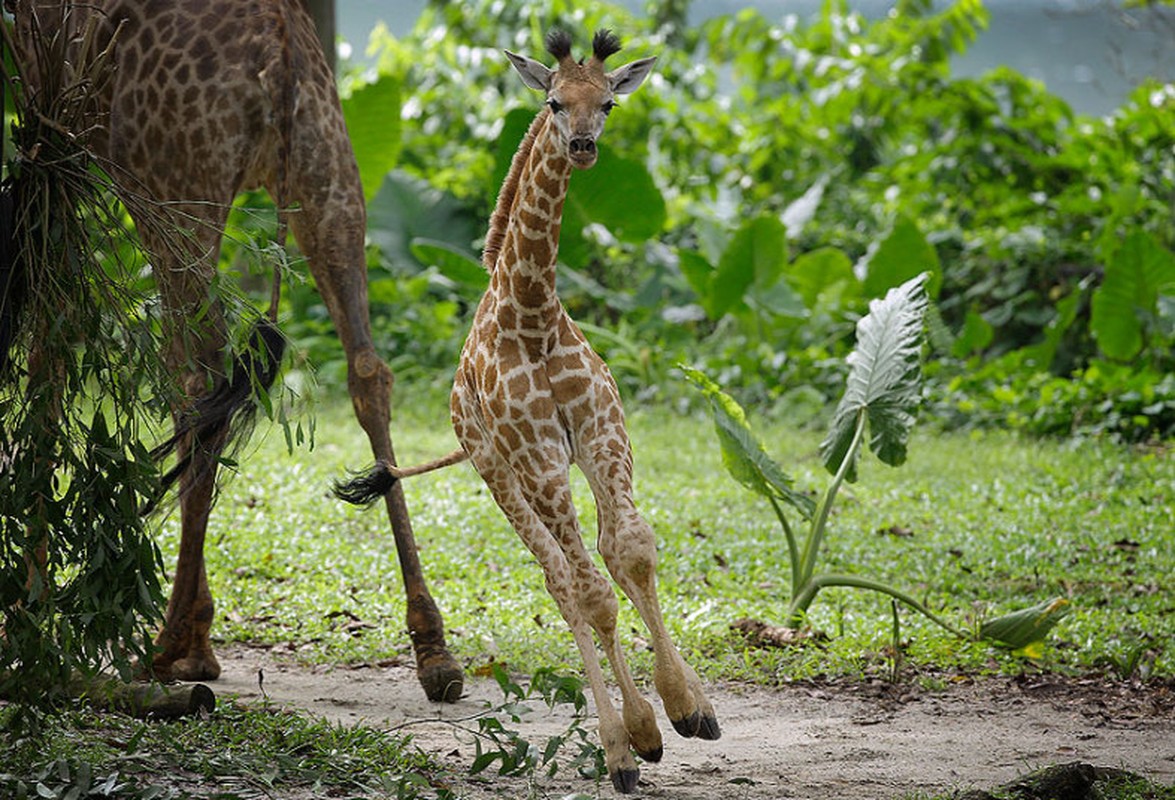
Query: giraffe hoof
[688, 726]
[625, 780]
[443, 680]
[708, 729]
[192, 669]
[652, 756]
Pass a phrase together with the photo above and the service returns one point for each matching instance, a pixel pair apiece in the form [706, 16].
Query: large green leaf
[372, 113]
[1024, 630]
[825, 272]
[1135, 275]
[977, 334]
[743, 454]
[755, 256]
[454, 263]
[699, 273]
[408, 208]
[900, 256]
[884, 380]
[617, 193]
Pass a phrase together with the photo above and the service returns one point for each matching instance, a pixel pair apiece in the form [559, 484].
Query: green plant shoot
[881, 400]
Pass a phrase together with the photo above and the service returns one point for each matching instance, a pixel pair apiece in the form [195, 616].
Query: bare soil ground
[849, 742]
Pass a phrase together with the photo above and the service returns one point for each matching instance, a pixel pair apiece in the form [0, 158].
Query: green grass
[997, 523]
[235, 752]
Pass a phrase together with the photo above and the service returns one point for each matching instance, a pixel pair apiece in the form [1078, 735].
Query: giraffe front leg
[629, 550]
[597, 601]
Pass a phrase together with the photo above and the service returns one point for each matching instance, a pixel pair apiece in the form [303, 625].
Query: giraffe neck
[525, 267]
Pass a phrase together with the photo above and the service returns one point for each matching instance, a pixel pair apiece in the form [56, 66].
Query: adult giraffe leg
[334, 249]
[195, 327]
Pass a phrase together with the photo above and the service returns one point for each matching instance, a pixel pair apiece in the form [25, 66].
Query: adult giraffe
[531, 397]
[206, 98]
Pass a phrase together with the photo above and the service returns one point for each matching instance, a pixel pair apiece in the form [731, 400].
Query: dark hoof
[625, 780]
[709, 729]
[443, 680]
[688, 726]
[653, 756]
[191, 669]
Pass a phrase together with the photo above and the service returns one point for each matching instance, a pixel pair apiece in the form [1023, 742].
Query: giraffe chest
[550, 376]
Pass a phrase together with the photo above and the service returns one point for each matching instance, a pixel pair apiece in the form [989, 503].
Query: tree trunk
[323, 14]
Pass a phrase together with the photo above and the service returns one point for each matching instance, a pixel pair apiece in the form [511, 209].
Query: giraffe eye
[555, 105]
[608, 106]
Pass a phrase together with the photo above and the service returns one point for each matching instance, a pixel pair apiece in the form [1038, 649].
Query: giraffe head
[580, 93]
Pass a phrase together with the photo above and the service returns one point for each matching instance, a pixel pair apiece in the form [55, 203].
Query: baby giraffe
[531, 398]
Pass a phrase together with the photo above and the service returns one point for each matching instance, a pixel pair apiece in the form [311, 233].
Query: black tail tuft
[365, 488]
[225, 414]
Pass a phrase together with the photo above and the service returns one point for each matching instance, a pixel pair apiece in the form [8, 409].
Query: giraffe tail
[367, 487]
[225, 415]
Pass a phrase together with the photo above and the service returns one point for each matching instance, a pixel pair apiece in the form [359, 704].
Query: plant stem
[818, 582]
[793, 551]
[812, 546]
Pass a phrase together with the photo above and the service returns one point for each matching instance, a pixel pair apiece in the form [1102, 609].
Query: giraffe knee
[368, 364]
[631, 549]
[370, 382]
[598, 602]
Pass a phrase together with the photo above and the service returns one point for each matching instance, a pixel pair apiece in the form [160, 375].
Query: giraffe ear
[626, 79]
[533, 74]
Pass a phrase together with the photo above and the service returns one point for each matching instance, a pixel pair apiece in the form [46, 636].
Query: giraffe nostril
[583, 145]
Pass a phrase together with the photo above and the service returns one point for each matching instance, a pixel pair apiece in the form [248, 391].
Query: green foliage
[883, 391]
[838, 159]
[515, 755]
[1127, 303]
[79, 585]
[257, 751]
[372, 113]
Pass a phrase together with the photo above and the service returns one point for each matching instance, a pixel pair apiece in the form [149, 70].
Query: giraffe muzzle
[582, 150]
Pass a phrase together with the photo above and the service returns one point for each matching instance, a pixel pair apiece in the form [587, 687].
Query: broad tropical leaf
[1024, 630]
[743, 454]
[903, 254]
[1138, 271]
[977, 334]
[372, 113]
[407, 208]
[884, 379]
[825, 272]
[618, 193]
[454, 263]
[755, 256]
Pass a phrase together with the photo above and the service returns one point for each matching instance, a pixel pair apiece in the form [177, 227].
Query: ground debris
[762, 634]
[1073, 781]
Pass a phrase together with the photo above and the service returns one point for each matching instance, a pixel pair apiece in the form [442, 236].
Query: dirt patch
[847, 742]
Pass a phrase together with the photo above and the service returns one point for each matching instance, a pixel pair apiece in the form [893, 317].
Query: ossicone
[604, 44]
[559, 44]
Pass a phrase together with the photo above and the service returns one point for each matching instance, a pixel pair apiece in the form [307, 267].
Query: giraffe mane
[501, 216]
